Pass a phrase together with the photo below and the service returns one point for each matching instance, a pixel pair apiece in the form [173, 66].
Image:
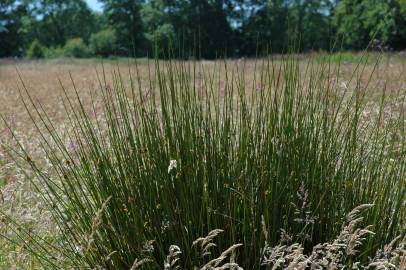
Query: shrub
[54, 52]
[103, 43]
[75, 48]
[203, 150]
[35, 50]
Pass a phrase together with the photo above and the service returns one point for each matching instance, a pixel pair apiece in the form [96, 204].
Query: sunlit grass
[199, 150]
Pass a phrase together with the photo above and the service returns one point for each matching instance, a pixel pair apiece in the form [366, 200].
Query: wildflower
[172, 165]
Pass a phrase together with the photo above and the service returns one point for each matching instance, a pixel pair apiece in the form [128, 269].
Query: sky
[94, 4]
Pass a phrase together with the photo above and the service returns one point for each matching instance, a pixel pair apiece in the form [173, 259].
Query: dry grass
[42, 79]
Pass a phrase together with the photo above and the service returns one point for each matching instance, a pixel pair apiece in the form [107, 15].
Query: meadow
[294, 161]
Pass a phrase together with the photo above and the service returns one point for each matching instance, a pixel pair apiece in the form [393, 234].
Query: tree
[399, 39]
[205, 28]
[347, 20]
[309, 23]
[103, 43]
[159, 31]
[201, 26]
[11, 41]
[124, 17]
[60, 20]
[361, 21]
[265, 27]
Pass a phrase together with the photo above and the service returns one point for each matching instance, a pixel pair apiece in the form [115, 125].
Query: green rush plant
[164, 161]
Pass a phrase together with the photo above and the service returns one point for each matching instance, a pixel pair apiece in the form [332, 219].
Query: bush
[54, 52]
[36, 50]
[202, 151]
[103, 43]
[75, 48]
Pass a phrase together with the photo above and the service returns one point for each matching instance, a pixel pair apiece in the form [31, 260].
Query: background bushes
[213, 28]
[35, 50]
[75, 48]
[103, 43]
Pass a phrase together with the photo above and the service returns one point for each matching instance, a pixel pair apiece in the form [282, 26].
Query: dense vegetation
[232, 27]
[282, 148]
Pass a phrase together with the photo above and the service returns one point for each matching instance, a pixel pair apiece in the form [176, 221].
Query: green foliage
[206, 28]
[158, 31]
[61, 20]
[202, 27]
[312, 25]
[10, 14]
[124, 17]
[206, 149]
[349, 25]
[275, 22]
[162, 34]
[36, 50]
[75, 48]
[103, 43]
[358, 22]
[266, 28]
[54, 52]
[398, 39]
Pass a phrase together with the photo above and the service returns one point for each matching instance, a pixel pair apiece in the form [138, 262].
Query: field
[42, 77]
[43, 82]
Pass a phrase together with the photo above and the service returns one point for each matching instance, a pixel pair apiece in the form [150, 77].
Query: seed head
[172, 165]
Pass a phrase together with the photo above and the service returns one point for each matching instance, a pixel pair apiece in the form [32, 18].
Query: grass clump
[198, 150]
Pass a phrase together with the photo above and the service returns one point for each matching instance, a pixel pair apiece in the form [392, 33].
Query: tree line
[207, 28]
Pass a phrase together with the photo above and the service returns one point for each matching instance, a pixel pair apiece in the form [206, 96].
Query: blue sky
[94, 4]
